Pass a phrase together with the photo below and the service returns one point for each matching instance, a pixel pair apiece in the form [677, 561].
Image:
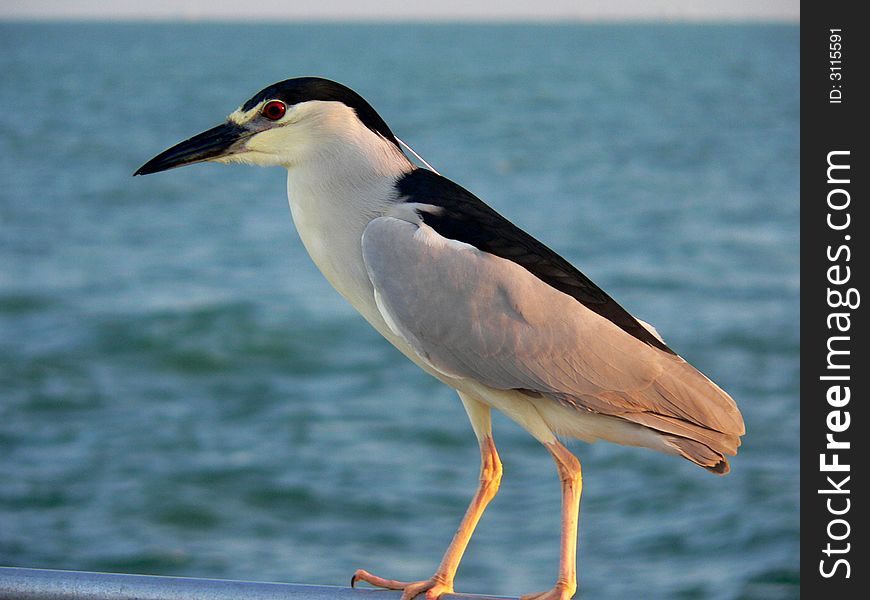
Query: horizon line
[415, 20]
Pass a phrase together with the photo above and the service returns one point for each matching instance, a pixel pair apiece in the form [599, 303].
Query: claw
[434, 587]
[560, 591]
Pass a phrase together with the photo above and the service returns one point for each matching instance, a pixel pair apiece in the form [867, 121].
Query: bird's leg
[572, 485]
[442, 581]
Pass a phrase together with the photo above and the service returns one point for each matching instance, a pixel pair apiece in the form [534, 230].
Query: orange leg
[572, 485]
[442, 581]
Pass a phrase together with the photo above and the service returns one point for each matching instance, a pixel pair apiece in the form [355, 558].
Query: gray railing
[43, 584]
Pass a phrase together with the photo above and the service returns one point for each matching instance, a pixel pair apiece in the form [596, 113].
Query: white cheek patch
[270, 140]
[271, 147]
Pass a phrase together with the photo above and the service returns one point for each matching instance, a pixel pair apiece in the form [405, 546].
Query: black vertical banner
[835, 364]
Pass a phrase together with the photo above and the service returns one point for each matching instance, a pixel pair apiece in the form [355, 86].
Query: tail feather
[699, 453]
[722, 443]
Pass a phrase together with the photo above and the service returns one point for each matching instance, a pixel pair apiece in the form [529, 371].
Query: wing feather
[471, 314]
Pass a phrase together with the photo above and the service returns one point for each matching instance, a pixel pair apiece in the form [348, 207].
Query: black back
[466, 218]
[303, 89]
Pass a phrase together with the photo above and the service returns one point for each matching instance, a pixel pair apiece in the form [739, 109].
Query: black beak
[218, 141]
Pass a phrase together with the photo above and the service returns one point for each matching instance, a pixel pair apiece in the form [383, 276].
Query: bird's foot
[561, 591]
[433, 587]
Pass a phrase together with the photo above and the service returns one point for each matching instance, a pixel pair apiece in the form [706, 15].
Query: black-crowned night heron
[470, 298]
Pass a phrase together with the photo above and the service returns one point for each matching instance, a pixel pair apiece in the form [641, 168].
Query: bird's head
[283, 125]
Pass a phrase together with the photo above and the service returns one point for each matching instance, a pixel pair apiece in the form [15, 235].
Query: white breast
[333, 198]
[331, 227]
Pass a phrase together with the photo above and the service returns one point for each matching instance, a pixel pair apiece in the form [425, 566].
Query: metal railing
[44, 584]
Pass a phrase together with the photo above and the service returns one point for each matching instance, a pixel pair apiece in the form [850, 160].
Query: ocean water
[182, 393]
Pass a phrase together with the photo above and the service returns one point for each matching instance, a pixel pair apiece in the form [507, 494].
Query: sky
[496, 10]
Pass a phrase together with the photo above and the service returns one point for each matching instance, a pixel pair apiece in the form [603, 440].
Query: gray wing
[471, 314]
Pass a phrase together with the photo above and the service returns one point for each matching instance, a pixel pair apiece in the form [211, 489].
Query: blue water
[182, 393]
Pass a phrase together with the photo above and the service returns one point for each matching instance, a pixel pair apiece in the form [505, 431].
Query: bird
[472, 299]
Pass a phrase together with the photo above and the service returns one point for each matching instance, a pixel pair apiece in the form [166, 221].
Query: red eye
[274, 110]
